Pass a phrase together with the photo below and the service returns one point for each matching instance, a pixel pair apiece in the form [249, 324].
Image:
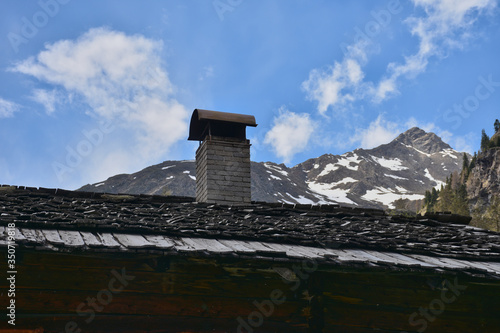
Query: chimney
[223, 157]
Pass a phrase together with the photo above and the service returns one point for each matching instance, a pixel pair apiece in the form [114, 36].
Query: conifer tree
[434, 196]
[465, 169]
[473, 162]
[427, 198]
[465, 163]
[485, 141]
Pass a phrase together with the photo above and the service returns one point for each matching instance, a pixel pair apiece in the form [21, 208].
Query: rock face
[484, 180]
[402, 169]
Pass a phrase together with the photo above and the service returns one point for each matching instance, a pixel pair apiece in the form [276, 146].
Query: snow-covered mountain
[402, 169]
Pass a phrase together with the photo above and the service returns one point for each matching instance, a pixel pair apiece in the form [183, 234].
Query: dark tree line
[452, 196]
[494, 141]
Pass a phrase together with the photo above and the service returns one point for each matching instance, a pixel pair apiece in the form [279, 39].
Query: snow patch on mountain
[387, 196]
[394, 164]
[438, 182]
[301, 199]
[276, 168]
[327, 169]
[395, 177]
[346, 180]
[328, 190]
[418, 150]
[449, 152]
[347, 161]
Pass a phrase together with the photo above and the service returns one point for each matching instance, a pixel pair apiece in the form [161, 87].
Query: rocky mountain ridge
[402, 169]
[483, 184]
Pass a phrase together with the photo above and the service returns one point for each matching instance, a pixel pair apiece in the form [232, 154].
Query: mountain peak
[415, 131]
[427, 142]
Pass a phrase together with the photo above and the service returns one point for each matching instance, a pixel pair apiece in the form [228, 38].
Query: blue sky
[90, 89]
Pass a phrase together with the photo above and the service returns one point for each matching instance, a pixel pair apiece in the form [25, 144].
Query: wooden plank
[210, 245]
[137, 261]
[19, 236]
[473, 299]
[408, 260]
[91, 240]
[347, 255]
[446, 263]
[427, 259]
[327, 253]
[286, 249]
[71, 238]
[369, 278]
[264, 248]
[401, 259]
[3, 236]
[149, 323]
[33, 235]
[472, 264]
[237, 246]
[303, 251]
[64, 302]
[456, 263]
[294, 251]
[19, 330]
[132, 241]
[190, 281]
[52, 236]
[494, 266]
[181, 246]
[283, 248]
[108, 240]
[369, 256]
[311, 252]
[160, 241]
[381, 257]
[390, 319]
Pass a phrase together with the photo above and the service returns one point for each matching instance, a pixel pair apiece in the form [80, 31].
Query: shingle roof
[68, 220]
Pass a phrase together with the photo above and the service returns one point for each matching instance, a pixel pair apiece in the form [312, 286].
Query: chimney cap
[202, 121]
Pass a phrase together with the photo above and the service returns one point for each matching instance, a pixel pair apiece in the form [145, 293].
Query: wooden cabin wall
[187, 294]
[175, 294]
[360, 301]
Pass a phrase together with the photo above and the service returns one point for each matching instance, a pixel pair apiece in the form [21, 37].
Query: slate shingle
[326, 226]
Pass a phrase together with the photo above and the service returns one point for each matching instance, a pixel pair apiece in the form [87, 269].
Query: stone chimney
[223, 157]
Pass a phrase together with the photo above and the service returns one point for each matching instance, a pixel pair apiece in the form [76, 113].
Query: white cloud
[47, 98]
[380, 131]
[290, 134]
[122, 79]
[445, 25]
[339, 83]
[7, 108]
